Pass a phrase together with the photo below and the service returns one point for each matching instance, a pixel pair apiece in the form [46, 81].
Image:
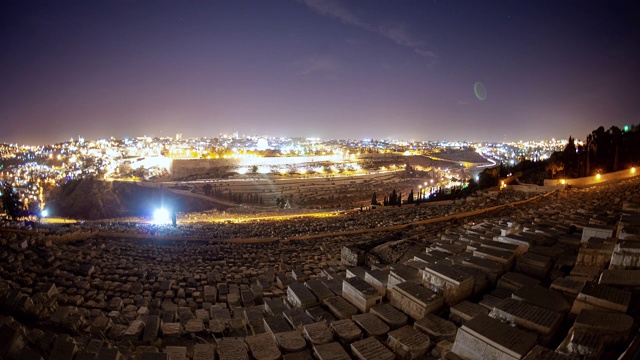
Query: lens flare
[480, 90]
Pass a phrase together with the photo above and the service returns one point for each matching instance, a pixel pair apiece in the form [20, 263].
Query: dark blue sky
[317, 68]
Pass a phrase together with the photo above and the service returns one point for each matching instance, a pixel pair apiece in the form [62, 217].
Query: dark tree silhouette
[374, 201]
[207, 189]
[11, 201]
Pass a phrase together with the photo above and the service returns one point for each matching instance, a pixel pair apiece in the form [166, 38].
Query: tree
[374, 201]
[393, 198]
[11, 201]
[254, 169]
[207, 189]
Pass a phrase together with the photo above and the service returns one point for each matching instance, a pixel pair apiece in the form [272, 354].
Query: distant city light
[161, 216]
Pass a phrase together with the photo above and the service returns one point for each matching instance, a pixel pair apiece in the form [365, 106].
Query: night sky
[317, 68]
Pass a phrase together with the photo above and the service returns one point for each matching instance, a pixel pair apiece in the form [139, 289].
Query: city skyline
[317, 68]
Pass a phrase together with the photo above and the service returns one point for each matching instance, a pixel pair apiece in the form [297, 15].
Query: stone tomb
[626, 255]
[340, 307]
[299, 295]
[346, 330]
[527, 316]
[263, 347]
[542, 297]
[319, 313]
[176, 352]
[276, 324]
[319, 289]
[330, 351]
[291, 341]
[620, 278]
[600, 232]
[408, 343]
[415, 300]
[390, 315]
[514, 281]
[454, 284]
[582, 343]
[297, 317]
[486, 338]
[360, 293]
[533, 264]
[612, 327]
[601, 297]
[597, 253]
[318, 333]
[465, 311]
[378, 279]
[231, 349]
[542, 353]
[568, 287]
[274, 306]
[371, 349]
[371, 324]
[437, 327]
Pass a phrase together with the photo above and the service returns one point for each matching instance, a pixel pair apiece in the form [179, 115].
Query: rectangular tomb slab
[454, 284]
[276, 324]
[390, 315]
[176, 352]
[465, 311]
[408, 343]
[319, 289]
[437, 327]
[567, 286]
[291, 341]
[371, 324]
[318, 313]
[274, 306]
[204, 351]
[299, 295]
[620, 278]
[340, 307]
[318, 333]
[371, 349]
[263, 347]
[415, 300]
[330, 351]
[297, 317]
[542, 353]
[542, 297]
[602, 297]
[611, 326]
[232, 349]
[484, 337]
[346, 330]
[360, 293]
[527, 316]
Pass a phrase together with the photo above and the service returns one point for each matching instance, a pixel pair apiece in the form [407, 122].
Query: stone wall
[594, 180]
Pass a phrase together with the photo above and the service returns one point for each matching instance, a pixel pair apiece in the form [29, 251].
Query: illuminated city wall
[182, 168]
[596, 179]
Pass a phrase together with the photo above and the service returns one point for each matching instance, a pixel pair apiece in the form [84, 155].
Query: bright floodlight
[161, 216]
[263, 144]
[44, 213]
